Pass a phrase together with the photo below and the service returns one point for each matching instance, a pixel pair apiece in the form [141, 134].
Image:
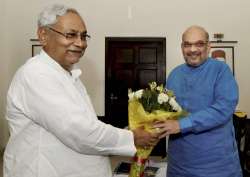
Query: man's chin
[73, 60]
[74, 55]
[193, 63]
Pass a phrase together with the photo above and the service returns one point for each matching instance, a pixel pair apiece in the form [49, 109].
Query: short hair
[50, 13]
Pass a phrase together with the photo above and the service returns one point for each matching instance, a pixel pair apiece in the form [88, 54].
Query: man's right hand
[167, 127]
[143, 138]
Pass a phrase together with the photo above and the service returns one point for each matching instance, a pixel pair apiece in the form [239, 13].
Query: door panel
[148, 56]
[146, 76]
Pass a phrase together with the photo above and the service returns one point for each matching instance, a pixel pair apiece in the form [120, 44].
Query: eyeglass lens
[198, 44]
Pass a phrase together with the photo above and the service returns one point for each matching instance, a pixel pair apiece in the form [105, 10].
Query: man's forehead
[194, 35]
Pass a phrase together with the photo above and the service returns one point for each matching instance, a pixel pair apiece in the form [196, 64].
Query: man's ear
[42, 36]
[208, 47]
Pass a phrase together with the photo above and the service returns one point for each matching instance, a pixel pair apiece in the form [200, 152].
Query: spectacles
[199, 44]
[72, 35]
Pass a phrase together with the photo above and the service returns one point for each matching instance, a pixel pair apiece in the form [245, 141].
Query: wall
[3, 75]
[162, 18]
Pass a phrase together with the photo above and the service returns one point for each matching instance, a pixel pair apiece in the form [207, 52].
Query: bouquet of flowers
[145, 106]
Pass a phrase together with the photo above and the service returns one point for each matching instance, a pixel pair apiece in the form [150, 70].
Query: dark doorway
[130, 63]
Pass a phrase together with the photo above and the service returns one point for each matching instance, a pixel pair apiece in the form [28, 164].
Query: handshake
[146, 139]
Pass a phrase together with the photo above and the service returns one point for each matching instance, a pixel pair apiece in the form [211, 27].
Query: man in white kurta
[53, 126]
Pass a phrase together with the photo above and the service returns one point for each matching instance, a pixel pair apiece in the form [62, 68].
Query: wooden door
[130, 63]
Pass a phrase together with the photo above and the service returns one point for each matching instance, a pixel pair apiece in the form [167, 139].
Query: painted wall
[3, 76]
[161, 18]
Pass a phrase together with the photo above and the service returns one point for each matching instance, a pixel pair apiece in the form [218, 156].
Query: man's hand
[143, 138]
[167, 127]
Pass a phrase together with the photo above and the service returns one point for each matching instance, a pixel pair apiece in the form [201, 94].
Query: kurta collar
[188, 68]
[74, 73]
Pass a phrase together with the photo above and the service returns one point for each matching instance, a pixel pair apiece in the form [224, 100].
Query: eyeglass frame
[198, 44]
[83, 36]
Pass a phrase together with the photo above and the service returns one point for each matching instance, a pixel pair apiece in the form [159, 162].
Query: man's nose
[80, 43]
[193, 48]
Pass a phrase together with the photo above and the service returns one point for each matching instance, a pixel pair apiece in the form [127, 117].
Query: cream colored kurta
[53, 126]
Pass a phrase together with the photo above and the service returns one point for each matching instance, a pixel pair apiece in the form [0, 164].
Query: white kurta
[53, 126]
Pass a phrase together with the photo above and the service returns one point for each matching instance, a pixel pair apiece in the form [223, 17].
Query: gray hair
[49, 15]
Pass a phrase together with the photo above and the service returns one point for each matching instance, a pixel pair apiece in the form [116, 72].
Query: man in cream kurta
[53, 126]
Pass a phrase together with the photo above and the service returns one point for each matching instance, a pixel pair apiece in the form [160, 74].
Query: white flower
[138, 93]
[131, 95]
[160, 88]
[152, 85]
[175, 105]
[162, 98]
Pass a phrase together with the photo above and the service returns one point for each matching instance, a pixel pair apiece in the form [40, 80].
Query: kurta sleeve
[58, 107]
[225, 96]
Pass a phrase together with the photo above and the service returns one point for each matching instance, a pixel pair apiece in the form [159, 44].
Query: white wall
[161, 18]
[3, 75]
